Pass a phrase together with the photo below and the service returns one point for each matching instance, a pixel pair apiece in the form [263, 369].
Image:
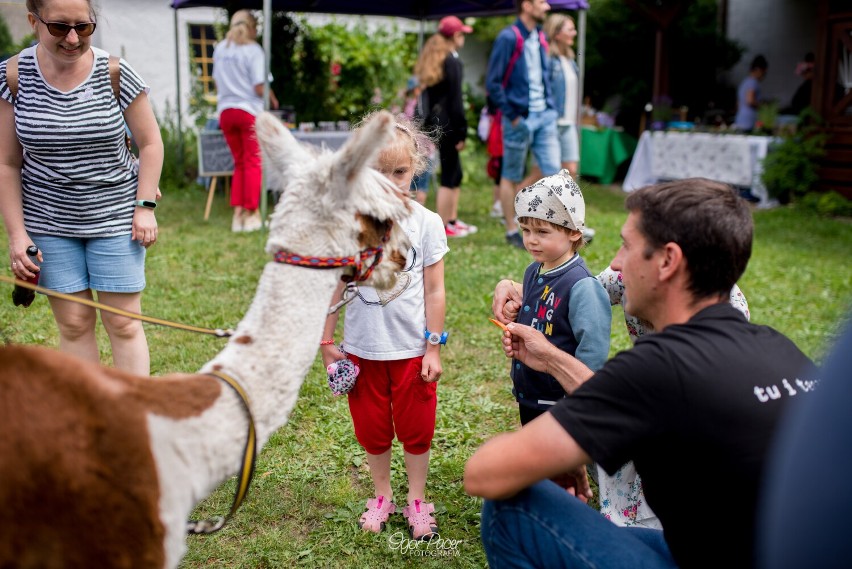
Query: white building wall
[783, 31]
[143, 33]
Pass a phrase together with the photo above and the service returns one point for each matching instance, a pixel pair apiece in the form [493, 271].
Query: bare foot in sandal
[421, 525]
[378, 510]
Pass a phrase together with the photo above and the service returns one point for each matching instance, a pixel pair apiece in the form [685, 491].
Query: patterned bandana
[556, 199]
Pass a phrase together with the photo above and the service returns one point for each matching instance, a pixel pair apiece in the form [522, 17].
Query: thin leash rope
[195, 527]
[218, 332]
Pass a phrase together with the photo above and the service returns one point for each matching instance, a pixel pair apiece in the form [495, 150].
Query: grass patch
[312, 479]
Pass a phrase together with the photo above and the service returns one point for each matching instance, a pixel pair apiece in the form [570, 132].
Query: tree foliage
[7, 46]
[620, 48]
[338, 72]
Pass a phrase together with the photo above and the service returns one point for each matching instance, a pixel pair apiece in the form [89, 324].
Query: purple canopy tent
[416, 9]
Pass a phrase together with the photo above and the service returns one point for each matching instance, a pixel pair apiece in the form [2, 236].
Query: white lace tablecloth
[735, 159]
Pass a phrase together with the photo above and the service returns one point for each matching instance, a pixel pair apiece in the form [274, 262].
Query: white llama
[101, 468]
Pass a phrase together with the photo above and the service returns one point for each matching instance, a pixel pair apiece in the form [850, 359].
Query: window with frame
[202, 40]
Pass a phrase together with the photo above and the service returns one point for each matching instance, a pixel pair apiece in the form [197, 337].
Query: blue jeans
[538, 133]
[544, 526]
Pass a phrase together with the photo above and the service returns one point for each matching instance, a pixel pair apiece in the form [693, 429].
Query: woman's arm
[11, 208]
[273, 100]
[146, 132]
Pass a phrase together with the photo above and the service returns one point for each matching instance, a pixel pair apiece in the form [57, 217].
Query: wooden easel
[212, 191]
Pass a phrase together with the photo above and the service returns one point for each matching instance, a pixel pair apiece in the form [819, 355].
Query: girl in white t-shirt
[394, 337]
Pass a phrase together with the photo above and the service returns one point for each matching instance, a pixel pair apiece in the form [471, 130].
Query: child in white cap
[561, 297]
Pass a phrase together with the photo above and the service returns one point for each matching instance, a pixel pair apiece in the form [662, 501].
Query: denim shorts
[536, 133]
[108, 264]
[569, 143]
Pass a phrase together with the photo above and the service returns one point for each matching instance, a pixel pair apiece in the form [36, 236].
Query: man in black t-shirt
[694, 405]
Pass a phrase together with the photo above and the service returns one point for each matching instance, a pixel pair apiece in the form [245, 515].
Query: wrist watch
[150, 204]
[436, 339]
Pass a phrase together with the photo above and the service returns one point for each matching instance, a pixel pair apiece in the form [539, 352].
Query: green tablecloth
[602, 151]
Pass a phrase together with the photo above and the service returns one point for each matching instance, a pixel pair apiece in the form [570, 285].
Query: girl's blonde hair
[429, 68]
[242, 22]
[552, 26]
[410, 138]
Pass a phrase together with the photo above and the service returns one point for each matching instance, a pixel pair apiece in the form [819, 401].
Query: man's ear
[671, 262]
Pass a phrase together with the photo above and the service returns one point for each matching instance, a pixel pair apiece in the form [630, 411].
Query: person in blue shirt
[518, 85]
[748, 95]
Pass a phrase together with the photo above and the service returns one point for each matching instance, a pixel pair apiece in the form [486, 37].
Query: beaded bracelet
[326, 342]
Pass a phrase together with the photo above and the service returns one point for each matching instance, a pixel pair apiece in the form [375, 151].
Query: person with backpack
[70, 185]
[518, 84]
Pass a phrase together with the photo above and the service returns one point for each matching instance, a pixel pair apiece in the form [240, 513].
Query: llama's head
[333, 204]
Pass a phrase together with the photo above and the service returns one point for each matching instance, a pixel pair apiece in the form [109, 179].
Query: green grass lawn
[312, 480]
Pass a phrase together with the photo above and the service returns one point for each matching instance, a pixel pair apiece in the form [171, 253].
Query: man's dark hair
[518, 4]
[708, 220]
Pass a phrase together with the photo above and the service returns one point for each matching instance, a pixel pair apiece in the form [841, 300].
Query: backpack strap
[115, 76]
[115, 81]
[12, 75]
[519, 49]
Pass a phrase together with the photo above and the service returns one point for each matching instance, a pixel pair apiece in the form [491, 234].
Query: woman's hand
[21, 264]
[144, 229]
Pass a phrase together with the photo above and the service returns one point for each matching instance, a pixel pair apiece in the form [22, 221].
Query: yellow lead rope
[150, 319]
[246, 468]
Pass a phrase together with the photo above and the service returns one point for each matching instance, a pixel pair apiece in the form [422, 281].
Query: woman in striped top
[69, 184]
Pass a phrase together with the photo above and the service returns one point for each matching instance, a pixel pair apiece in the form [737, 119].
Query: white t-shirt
[389, 325]
[532, 55]
[572, 90]
[236, 70]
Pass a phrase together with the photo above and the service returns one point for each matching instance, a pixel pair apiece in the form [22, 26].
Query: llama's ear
[281, 151]
[362, 147]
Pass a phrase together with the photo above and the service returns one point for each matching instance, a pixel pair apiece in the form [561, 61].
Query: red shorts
[391, 397]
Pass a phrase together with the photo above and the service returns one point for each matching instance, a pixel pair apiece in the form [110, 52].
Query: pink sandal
[378, 510]
[421, 524]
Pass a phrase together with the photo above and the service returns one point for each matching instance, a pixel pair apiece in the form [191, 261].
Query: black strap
[12, 75]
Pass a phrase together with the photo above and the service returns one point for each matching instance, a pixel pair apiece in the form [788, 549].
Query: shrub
[790, 167]
[830, 204]
[180, 166]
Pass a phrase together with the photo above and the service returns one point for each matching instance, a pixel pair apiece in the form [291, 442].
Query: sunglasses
[61, 29]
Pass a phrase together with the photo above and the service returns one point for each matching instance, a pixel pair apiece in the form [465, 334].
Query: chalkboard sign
[214, 156]
[215, 159]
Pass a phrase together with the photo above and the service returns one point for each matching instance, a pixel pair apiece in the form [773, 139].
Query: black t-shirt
[694, 407]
